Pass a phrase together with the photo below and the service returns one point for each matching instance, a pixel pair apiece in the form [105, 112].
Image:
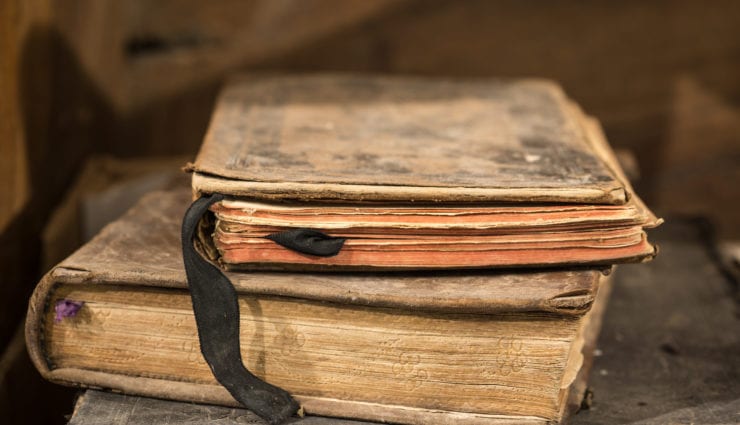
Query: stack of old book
[403, 250]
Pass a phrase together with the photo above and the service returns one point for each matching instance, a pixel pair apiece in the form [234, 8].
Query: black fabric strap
[217, 316]
[308, 241]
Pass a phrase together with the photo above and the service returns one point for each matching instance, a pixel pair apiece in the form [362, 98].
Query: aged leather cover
[369, 138]
[142, 250]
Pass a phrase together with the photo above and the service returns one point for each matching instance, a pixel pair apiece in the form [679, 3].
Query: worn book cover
[413, 173]
[446, 347]
[407, 139]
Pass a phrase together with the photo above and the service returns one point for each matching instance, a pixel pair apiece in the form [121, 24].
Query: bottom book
[474, 347]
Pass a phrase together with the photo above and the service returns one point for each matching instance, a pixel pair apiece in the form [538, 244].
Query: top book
[362, 138]
[404, 173]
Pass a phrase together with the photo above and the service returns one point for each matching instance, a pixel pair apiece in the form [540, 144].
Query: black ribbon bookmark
[308, 241]
[217, 317]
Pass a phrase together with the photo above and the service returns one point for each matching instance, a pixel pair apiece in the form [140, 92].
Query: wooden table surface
[669, 351]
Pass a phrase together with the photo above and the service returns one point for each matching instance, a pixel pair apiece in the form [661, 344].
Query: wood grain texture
[508, 140]
[102, 408]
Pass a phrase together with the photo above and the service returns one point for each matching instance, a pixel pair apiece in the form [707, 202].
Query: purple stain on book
[66, 308]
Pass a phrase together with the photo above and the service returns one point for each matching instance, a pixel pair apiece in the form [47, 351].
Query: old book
[414, 173]
[414, 347]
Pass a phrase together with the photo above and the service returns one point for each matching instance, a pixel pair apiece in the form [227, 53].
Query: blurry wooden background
[138, 78]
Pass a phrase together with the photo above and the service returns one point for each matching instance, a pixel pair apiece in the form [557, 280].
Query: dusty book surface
[478, 347]
[390, 138]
